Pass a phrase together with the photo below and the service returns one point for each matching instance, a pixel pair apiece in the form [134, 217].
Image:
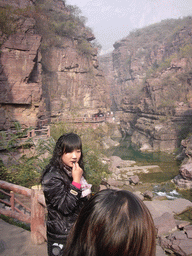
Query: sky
[112, 20]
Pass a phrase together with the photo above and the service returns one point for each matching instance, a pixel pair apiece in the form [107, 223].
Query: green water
[159, 181]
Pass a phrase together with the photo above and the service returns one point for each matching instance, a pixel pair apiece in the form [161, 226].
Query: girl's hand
[77, 173]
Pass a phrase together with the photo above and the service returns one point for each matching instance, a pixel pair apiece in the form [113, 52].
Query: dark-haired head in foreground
[113, 223]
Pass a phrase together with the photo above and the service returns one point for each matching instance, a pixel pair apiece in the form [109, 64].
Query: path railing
[82, 119]
[21, 137]
[35, 215]
[86, 119]
[43, 132]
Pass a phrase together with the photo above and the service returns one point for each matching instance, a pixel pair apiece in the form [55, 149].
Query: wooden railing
[5, 136]
[43, 132]
[86, 119]
[36, 216]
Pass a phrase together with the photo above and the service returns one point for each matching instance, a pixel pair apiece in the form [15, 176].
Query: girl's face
[71, 157]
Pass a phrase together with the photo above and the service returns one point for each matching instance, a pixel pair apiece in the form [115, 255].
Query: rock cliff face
[184, 179]
[152, 77]
[72, 82]
[47, 70]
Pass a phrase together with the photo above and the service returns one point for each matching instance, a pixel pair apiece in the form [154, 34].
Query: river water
[160, 182]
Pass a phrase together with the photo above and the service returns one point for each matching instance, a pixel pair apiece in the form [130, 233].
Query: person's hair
[65, 144]
[113, 223]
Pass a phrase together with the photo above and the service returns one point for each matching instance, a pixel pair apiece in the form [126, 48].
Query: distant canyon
[50, 70]
[150, 77]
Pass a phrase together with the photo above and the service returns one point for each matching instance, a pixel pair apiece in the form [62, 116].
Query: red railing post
[38, 228]
[48, 131]
[31, 133]
[12, 200]
[37, 218]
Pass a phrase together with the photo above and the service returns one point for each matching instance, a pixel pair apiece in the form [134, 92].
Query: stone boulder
[176, 206]
[115, 183]
[134, 179]
[186, 171]
[108, 142]
[148, 194]
[174, 236]
[182, 183]
[178, 242]
[187, 145]
[165, 223]
[184, 179]
[117, 162]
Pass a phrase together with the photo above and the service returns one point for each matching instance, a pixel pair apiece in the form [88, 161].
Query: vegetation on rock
[51, 23]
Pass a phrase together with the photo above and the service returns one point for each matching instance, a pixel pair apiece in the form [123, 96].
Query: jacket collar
[67, 169]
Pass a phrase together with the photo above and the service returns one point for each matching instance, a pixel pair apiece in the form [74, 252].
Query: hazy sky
[112, 20]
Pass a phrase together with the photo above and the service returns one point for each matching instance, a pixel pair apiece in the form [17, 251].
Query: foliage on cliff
[53, 21]
[54, 24]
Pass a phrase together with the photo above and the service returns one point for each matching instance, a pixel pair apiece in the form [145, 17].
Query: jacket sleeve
[58, 195]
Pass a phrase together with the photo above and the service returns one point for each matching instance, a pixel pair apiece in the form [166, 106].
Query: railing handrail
[15, 188]
[45, 129]
[31, 133]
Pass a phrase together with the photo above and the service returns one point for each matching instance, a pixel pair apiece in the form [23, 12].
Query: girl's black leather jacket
[63, 202]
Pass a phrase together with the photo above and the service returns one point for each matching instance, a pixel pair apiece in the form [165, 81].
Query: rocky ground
[174, 236]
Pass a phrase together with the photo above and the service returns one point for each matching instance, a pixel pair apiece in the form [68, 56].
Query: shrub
[53, 25]
[24, 172]
[95, 170]
[3, 171]
[7, 21]
[166, 62]
[134, 92]
[84, 47]
[185, 51]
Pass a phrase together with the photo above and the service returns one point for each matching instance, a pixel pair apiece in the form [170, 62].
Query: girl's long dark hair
[65, 144]
[113, 223]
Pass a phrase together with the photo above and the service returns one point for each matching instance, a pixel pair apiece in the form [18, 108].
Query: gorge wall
[48, 64]
[151, 72]
[49, 69]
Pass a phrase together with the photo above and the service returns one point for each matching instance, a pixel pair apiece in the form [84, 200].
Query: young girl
[62, 188]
